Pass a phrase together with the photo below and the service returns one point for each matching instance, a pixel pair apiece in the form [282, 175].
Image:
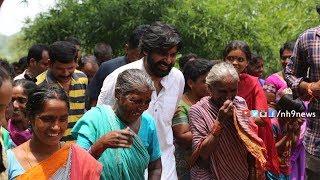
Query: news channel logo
[271, 113]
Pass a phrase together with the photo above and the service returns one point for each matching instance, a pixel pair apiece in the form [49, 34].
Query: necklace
[27, 151]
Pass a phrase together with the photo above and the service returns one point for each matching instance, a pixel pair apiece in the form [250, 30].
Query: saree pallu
[252, 92]
[124, 163]
[248, 133]
[70, 162]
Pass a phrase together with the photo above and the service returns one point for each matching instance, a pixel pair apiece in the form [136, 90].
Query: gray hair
[220, 71]
[133, 80]
[88, 59]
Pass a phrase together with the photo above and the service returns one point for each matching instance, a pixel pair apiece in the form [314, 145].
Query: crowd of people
[69, 115]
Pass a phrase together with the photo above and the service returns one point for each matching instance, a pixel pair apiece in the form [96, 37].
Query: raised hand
[226, 111]
[119, 138]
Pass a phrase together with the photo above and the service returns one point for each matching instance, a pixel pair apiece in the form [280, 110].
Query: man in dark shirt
[132, 54]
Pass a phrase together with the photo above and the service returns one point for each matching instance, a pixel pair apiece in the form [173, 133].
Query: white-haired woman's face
[224, 90]
[133, 104]
[238, 59]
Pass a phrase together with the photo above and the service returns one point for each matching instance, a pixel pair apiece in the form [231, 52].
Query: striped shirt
[229, 158]
[305, 63]
[79, 82]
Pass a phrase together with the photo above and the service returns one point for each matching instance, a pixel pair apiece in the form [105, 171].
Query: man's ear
[144, 53]
[32, 62]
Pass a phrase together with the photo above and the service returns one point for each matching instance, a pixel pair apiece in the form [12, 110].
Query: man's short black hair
[160, 37]
[185, 58]
[287, 46]
[35, 52]
[73, 40]
[134, 38]
[23, 62]
[62, 51]
[102, 51]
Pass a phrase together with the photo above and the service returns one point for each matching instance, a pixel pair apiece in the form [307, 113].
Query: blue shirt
[104, 70]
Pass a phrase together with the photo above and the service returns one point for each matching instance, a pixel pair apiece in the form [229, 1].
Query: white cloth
[20, 76]
[161, 107]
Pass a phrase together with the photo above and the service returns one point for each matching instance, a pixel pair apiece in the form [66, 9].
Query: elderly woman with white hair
[123, 137]
[225, 141]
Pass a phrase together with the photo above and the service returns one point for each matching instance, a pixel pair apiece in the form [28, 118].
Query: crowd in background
[70, 115]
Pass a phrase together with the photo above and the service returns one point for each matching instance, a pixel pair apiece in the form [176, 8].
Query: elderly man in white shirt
[159, 44]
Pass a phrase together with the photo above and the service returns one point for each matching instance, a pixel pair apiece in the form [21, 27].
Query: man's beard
[154, 67]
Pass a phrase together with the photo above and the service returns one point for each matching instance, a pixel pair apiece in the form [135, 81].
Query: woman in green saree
[123, 137]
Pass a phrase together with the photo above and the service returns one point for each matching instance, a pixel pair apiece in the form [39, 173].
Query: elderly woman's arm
[203, 141]
[154, 170]
[208, 144]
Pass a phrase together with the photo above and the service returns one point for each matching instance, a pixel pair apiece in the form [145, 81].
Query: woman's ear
[190, 83]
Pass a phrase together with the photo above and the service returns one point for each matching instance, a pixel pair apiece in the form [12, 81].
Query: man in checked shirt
[305, 61]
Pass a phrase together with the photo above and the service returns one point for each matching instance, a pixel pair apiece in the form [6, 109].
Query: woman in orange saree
[44, 156]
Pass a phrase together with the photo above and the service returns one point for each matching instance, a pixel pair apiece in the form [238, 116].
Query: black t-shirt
[106, 68]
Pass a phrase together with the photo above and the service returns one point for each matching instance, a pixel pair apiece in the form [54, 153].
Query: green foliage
[13, 47]
[206, 26]
[94, 21]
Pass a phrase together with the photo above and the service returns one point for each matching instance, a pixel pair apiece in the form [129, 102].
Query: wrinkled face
[133, 54]
[161, 63]
[222, 91]
[50, 125]
[238, 59]
[63, 71]
[5, 94]
[286, 54]
[199, 87]
[19, 101]
[90, 70]
[256, 69]
[132, 105]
